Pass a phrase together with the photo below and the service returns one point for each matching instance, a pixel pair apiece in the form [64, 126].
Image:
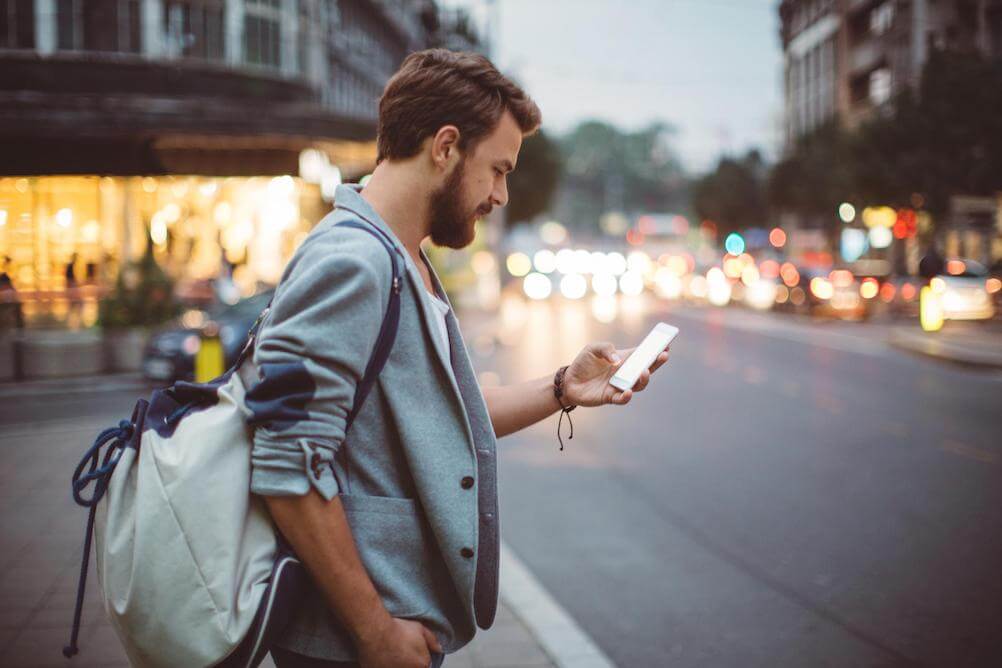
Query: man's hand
[401, 643]
[586, 382]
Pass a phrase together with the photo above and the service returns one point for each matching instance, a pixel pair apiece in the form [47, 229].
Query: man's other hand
[402, 643]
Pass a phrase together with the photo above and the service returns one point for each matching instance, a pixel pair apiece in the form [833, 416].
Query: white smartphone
[643, 356]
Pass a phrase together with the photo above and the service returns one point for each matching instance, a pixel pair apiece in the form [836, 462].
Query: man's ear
[445, 146]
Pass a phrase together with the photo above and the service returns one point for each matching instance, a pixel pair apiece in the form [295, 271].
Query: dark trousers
[286, 659]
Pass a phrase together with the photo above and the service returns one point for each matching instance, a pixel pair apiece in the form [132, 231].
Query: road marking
[553, 628]
[969, 451]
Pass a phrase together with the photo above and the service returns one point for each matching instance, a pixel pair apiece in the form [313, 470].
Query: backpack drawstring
[118, 437]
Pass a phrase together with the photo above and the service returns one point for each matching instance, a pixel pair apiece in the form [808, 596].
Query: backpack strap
[388, 331]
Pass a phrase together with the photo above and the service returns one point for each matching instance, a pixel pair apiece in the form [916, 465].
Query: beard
[451, 220]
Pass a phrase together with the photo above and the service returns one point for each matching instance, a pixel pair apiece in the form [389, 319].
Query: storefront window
[63, 240]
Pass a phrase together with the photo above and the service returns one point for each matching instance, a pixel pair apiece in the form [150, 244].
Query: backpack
[192, 570]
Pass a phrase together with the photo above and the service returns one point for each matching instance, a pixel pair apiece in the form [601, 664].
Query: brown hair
[439, 87]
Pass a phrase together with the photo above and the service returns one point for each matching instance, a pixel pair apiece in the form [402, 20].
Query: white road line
[556, 631]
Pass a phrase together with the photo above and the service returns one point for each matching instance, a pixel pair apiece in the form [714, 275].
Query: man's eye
[498, 172]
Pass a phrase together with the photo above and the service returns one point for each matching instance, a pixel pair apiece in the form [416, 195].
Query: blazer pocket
[395, 546]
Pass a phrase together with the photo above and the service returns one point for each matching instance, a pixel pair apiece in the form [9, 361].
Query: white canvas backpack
[191, 568]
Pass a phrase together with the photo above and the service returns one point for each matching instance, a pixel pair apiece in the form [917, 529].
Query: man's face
[475, 186]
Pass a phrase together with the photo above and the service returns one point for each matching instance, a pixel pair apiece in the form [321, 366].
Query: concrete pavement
[40, 553]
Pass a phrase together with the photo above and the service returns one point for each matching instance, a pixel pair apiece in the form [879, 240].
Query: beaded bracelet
[558, 392]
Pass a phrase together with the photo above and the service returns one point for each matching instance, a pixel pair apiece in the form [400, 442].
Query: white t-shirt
[441, 309]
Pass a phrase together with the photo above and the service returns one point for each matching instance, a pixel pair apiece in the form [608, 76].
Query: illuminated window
[195, 28]
[880, 86]
[17, 24]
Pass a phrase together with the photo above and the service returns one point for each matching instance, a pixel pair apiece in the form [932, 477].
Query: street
[784, 493]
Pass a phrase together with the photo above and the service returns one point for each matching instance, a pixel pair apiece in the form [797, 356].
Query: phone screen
[646, 353]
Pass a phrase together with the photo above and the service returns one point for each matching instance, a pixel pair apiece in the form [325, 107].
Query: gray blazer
[417, 472]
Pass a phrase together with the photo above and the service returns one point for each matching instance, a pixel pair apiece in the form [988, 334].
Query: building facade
[846, 59]
[212, 131]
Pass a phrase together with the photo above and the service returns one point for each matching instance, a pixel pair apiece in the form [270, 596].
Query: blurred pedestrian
[11, 315]
[397, 523]
[932, 264]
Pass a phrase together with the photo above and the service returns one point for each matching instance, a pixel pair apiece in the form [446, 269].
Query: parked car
[963, 291]
[170, 353]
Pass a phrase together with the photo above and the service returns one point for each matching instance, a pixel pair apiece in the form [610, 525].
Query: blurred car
[963, 291]
[170, 353]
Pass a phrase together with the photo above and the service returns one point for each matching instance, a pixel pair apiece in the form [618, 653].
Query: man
[396, 522]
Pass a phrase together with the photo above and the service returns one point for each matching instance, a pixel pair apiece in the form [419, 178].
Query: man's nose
[500, 195]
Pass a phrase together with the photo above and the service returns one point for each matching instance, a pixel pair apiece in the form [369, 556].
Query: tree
[733, 194]
[607, 169]
[532, 184]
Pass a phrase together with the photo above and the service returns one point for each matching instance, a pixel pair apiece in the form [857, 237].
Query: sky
[712, 69]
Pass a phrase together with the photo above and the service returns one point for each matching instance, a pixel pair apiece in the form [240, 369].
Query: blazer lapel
[348, 197]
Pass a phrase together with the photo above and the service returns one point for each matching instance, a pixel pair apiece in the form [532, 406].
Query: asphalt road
[783, 494]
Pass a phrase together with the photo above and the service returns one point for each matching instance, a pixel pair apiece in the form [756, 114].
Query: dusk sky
[710, 68]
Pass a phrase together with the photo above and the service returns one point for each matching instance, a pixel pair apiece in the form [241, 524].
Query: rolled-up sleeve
[311, 355]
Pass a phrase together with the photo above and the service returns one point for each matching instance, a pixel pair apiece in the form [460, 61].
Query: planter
[124, 348]
[58, 353]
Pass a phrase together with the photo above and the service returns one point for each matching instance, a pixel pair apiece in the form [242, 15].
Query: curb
[560, 637]
[114, 382]
[944, 350]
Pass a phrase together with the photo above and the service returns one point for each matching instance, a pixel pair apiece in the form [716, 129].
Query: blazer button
[466, 482]
[466, 552]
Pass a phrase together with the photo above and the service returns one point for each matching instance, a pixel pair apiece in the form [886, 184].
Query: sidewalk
[40, 554]
[967, 343]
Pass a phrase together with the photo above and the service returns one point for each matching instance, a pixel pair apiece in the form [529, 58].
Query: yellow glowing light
[222, 213]
[790, 274]
[537, 286]
[879, 216]
[930, 309]
[3, 217]
[545, 261]
[938, 285]
[149, 184]
[749, 275]
[993, 285]
[518, 264]
[822, 288]
[782, 294]
[732, 267]
[91, 232]
[172, 212]
[573, 286]
[158, 228]
[21, 185]
[869, 288]
[483, 262]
